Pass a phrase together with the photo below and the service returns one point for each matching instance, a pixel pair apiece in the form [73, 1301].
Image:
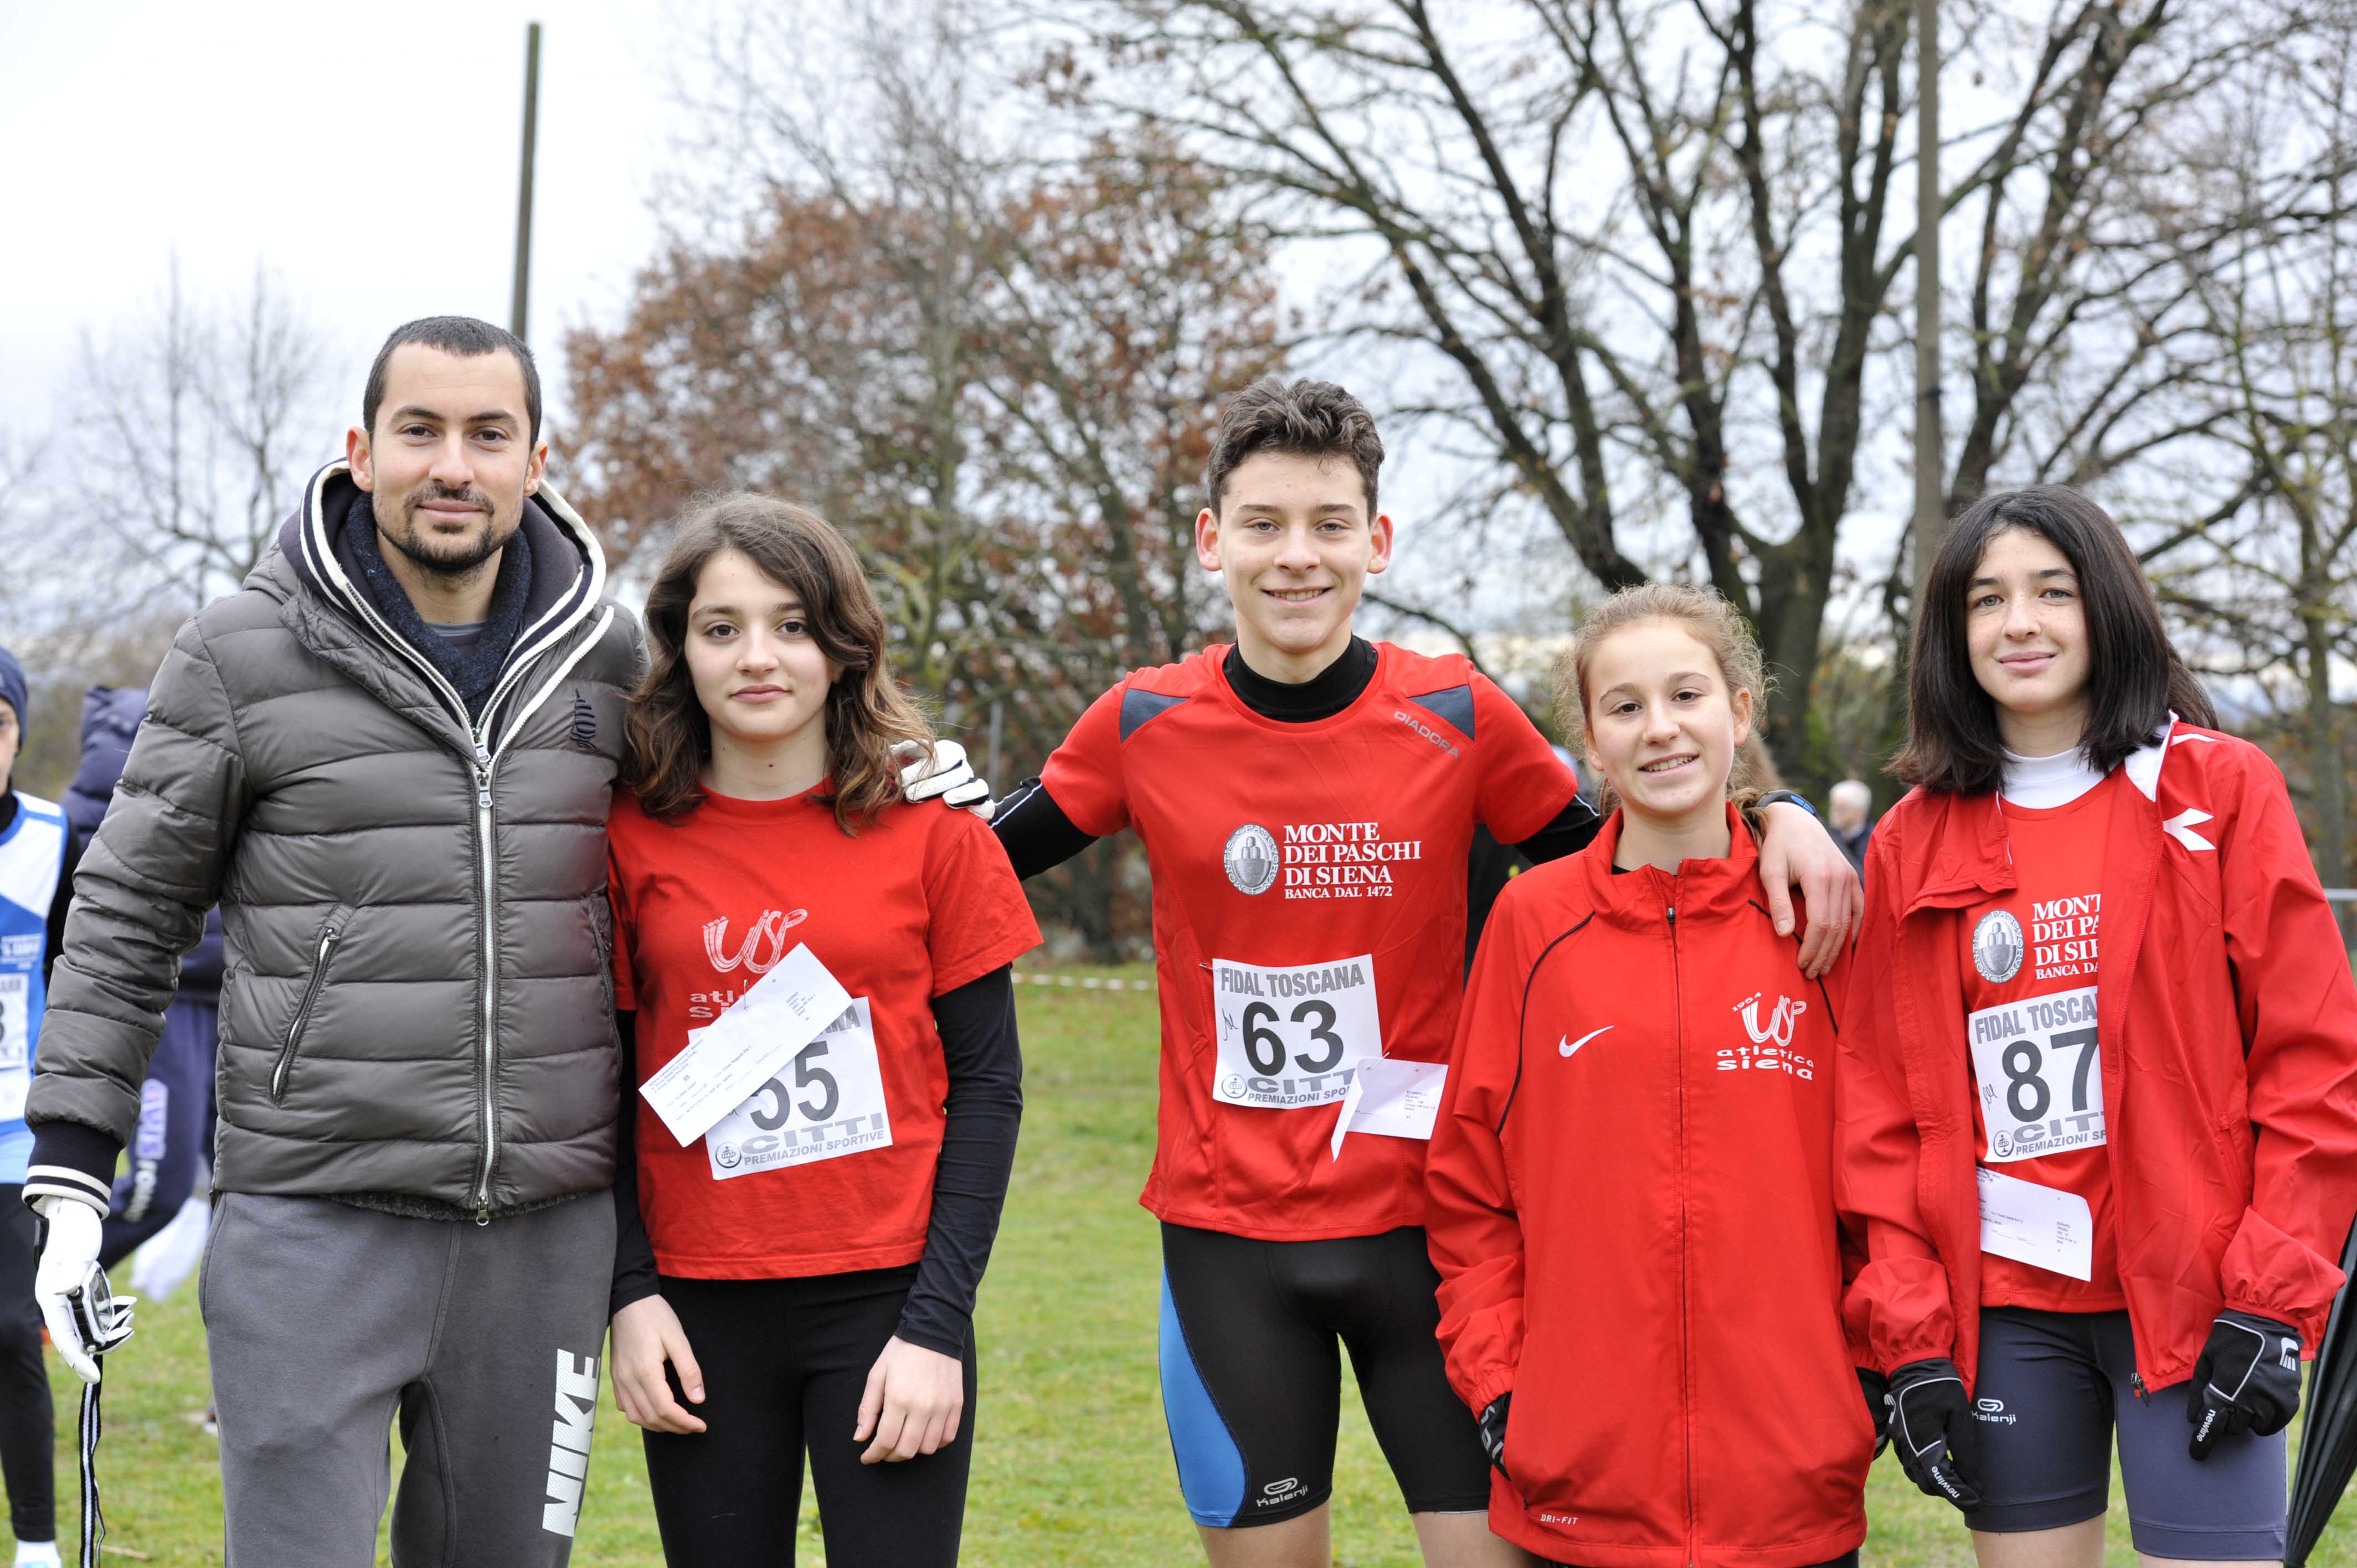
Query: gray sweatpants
[325, 1321]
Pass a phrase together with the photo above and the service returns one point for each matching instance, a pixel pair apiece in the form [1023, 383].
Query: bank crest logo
[728, 1156]
[1251, 859]
[1997, 947]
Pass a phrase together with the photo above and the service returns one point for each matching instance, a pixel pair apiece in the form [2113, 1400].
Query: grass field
[1071, 1463]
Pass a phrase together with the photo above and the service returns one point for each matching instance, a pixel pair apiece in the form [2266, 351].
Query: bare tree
[188, 434]
[2258, 556]
[1654, 246]
[991, 363]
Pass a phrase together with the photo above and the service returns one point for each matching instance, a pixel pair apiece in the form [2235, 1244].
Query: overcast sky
[366, 153]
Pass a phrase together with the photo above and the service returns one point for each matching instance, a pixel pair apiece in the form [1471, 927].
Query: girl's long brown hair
[866, 715]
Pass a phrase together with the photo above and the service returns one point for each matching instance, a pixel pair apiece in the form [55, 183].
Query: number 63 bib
[2039, 1074]
[827, 1103]
[1294, 1036]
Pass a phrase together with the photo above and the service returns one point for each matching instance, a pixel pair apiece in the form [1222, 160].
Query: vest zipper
[484, 764]
[329, 936]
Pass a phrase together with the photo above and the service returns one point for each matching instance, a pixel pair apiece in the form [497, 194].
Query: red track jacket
[1631, 1209]
[2228, 1030]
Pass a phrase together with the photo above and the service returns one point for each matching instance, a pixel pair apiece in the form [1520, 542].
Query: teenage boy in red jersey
[1306, 799]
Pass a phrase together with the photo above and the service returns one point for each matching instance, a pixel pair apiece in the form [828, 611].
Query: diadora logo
[568, 1443]
[1568, 1045]
[1427, 731]
[1771, 1043]
[1993, 1412]
[584, 731]
[1277, 1492]
[764, 947]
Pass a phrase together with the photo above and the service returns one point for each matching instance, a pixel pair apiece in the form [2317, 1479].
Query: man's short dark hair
[460, 335]
[1313, 419]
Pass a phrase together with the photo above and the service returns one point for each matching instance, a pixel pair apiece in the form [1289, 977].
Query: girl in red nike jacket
[1630, 1181]
[2098, 1125]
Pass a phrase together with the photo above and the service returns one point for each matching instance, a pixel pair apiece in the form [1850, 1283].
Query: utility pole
[1931, 450]
[522, 296]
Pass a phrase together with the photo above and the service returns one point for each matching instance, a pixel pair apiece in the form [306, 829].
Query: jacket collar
[1701, 889]
[568, 582]
[1974, 854]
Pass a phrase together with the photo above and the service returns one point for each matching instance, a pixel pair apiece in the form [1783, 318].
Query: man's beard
[463, 560]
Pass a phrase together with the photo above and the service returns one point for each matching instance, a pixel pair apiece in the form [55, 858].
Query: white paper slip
[740, 1051]
[2041, 1226]
[1391, 1097]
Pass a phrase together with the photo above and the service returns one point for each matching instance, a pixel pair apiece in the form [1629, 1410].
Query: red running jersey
[1309, 914]
[2029, 968]
[829, 1167]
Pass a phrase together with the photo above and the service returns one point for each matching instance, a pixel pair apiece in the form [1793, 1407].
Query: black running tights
[28, 1423]
[785, 1363]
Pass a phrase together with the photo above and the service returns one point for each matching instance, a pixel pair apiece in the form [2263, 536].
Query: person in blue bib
[37, 866]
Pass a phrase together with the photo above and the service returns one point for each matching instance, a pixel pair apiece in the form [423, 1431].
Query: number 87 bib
[2039, 1074]
[1293, 1036]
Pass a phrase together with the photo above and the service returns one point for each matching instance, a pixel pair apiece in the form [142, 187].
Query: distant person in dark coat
[176, 1104]
[1852, 826]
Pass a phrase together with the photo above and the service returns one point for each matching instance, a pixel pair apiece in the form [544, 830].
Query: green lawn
[1072, 1465]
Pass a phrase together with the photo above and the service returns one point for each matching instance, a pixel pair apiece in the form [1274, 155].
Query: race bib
[16, 1034]
[2039, 1074]
[828, 1101]
[1291, 1038]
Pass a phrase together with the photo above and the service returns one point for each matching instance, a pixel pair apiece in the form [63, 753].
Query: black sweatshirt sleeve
[60, 902]
[634, 1255]
[1034, 832]
[1573, 829]
[985, 1108]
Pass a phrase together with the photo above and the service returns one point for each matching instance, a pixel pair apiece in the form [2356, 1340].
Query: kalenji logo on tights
[568, 1443]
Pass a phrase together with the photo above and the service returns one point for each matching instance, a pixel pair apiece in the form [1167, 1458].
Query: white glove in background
[165, 1261]
[946, 775]
[67, 1254]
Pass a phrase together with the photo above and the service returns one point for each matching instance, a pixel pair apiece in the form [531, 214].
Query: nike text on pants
[325, 1322]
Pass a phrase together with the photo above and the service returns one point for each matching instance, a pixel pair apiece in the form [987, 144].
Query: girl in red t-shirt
[2098, 1116]
[1630, 1180]
[806, 1265]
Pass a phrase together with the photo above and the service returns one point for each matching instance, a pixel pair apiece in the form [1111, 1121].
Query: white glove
[945, 776]
[67, 1254]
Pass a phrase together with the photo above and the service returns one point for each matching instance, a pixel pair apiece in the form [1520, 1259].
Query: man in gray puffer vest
[388, 758]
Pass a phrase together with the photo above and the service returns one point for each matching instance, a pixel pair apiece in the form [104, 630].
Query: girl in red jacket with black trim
[1631, 1180]
[2098, 1116]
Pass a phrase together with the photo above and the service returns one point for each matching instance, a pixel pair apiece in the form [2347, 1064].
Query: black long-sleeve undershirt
[982, 1114]
[1037, 835]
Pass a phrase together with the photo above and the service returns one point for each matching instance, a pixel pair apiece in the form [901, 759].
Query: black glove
[1492, 1426]
[1931, 1425]
[1876, 1390]
[2246, 1380]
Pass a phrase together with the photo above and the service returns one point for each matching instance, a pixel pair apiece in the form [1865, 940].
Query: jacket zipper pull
[2135, 1382]
[483, 1212]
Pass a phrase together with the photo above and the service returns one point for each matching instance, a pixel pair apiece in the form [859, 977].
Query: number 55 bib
[2039, 1074]
[1292, 1038]
[825, 1104]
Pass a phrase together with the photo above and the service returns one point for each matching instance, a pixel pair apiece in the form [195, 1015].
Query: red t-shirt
[830, 1167]
[2029, 1001]
[1308, 911]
